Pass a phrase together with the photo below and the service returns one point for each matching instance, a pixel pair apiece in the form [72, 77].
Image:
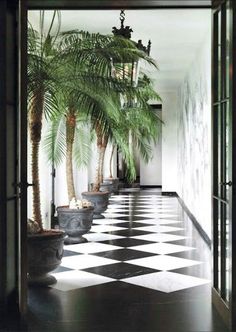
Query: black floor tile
[201, 271]
[128, 232]
[122, 307]
[124, 254]
[126, 242]
[120, 270]
[133, 218]
[133, 224]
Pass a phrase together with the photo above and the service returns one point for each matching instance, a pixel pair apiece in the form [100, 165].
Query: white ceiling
[176, 35]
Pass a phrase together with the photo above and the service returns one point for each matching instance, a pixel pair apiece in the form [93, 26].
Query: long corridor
[144, 268]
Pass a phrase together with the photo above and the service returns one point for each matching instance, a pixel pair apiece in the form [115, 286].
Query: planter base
[44, 280]
[98, 216]
[75, 240]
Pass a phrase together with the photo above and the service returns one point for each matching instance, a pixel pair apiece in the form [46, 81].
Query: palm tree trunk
[103, 150]
[96, 185]
[70, 136]
[111, 157]
[35, 127]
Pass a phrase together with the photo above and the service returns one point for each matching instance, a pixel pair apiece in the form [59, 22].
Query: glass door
[223, 157]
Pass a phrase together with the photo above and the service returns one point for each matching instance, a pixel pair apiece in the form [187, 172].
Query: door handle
[230, 183]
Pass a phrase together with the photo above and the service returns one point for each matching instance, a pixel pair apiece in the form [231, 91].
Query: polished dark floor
[144, 269]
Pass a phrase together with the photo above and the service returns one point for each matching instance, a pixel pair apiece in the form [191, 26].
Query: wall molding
[195, 222]
[150, 186]
[190, 215]
[169, 193]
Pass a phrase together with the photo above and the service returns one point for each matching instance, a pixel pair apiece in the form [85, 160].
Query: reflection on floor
[145, 268]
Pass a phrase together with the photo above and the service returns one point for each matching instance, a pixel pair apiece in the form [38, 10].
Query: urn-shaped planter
[106, 186]
[75, 223]
[45, 251]
[114, 182]
[99, 200]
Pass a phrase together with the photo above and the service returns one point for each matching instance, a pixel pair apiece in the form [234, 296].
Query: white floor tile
[159, 229]
[105, 228]
[78, 279]
[166, 282]
[91, 247]
[151, 210]
[162, 248]
[81, 262]
[159, 237]
[164, 221]
[107, 221]
[117, 206]
[157, 215]
[163, 262]
[95, 237]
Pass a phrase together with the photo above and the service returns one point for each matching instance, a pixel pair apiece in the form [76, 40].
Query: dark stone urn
[99, 200]
[114, 184]
[75, 223]
[45, 251]
[106, 186]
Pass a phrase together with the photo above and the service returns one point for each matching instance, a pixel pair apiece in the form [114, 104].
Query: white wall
[169, 140]
[151, 173]
[194, 137]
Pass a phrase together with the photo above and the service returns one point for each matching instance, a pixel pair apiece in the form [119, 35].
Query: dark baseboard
[195, 222]
[169, 193]
[152, 186]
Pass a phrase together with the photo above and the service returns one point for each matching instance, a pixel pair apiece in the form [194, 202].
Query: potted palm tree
[45, 247]
[87, 91]
[133, 120]
[140, 124]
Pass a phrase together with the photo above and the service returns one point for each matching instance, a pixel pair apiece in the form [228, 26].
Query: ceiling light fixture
[128, 71]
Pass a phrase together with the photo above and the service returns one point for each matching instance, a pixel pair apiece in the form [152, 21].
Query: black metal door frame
[224, 158]
[22, 174]
[13, 145]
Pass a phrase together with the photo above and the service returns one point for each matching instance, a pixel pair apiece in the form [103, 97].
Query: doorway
[34, 4]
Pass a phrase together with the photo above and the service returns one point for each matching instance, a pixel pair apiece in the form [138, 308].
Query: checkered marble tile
[105, 228]
[137, 244]
[69, 280]
[159, 229]
[166, 282]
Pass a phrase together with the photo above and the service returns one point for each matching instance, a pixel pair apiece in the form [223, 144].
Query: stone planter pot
[45, 251]
[114, 184]
[75, 223]
[99, 200]
[106, 186]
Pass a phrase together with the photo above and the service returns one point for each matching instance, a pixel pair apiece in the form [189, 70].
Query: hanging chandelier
[125, 31]
[128, 71]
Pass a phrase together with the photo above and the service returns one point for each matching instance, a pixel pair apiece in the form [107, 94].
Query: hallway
[145, 268]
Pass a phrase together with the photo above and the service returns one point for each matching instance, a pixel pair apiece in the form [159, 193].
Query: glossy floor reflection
[145, 268]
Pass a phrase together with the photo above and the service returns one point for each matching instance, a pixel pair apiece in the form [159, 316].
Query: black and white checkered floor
[144, 240]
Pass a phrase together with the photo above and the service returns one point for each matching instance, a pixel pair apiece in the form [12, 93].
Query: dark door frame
[22, 171]
[224, 103]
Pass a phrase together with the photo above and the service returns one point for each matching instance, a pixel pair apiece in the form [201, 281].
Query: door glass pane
[227, 152]
[227, 50]
[219, 247]
[219, 149]
[219, 55]
[227, 277]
